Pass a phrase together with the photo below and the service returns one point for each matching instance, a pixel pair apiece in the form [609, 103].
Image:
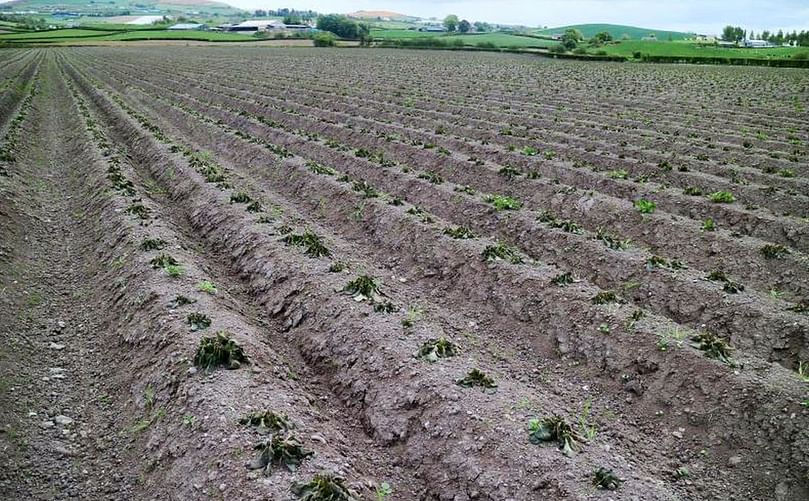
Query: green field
[627, 48]
[52, 35]
[211, 36]
[402, 34]
[499, 39]
[617, 31]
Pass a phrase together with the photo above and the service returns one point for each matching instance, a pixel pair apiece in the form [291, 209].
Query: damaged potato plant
[279, 451]
[478, 378]
[325, 486]
[313, 244]
[555, 429]
[269, 421]
[219, 351]
[434, 349]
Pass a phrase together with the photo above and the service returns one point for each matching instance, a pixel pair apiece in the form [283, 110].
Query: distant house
[297, 27]
[650, 38]
[757, 44]
[433, 29]
[188, 27]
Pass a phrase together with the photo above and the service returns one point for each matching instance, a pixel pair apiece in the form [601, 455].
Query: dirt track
[106, 149]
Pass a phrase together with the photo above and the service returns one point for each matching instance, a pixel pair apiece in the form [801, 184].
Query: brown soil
[378, 157]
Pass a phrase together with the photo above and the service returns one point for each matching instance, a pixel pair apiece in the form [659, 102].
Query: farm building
[433, 29]
[255, 26]
[757, 44]
[188, 27]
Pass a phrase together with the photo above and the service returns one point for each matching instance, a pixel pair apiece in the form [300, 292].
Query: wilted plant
[163, 261]
[140, 211]
[366, 189]
[509, 172]
[267, 420]
[279, 451]
[385, 307]
[502, 252]
[606, 297]
[422, 214]
[198, 321]
[434, 349]
[181, 301]
[612, 241]
[728, 286]
[714, 347]
[721, 197]
[312, 242]
[321, 169]
[219, 351]
[693, 191]
[459, 232]
[324, 486]
[337, 267]
[432, 177]
[555, 429]
[413, 315]
[363, 287]
[240, 197]
[502, 202]
[645, 206]
[153, 244]
[475, 377]
[672, 337]
[774, 251]
[563, 279]
[254, 206]
[606, 479]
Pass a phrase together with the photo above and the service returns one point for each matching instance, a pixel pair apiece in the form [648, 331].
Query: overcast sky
[703, 16]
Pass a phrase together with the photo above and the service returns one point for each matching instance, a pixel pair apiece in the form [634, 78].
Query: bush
[558, 49]
[486, 45]
[637, 54]
[324, 39]
[580, 51]
[802, 56]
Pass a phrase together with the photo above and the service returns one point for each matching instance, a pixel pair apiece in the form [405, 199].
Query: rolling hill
[618, 32]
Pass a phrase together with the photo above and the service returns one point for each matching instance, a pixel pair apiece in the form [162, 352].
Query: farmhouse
[188, 27]
[433, 29]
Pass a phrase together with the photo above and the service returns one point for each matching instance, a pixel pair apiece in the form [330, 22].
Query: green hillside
[618, 32]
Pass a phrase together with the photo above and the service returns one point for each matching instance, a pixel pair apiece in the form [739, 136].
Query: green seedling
[606, 297]
[661, 262]
[240, 197]
[460, 233]
[800, 307]
[606, 479]
[714, 347]
[413, 315]
[774, 251]
[567, 225]
[174, 271]
[219, 351]
[803, 371]
[502, 202]
[153, 244]
[189, 420]
[708, 225]
[555, 429]
[383, 490]
[728, 285]
[163, 261]
[672, 338]
[207, 286]
[363, 287]
[502, 252]
[431, 177]
[198, 321]
[313, 244]
[563, 279]
[268, 421]
[681, 472]
[693, 191]
[722, 197]
[475, 377]
[434, 349]
[254, 206]
[279, 451]
[509, 172]
[324, 486]
[645, 206]
[528, 151]
[618, 174]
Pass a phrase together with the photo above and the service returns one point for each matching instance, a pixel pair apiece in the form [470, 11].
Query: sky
[700, 16]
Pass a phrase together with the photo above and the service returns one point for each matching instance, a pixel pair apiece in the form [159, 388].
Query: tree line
[737, 34]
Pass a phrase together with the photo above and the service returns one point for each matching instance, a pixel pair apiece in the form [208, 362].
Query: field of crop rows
[457, 275]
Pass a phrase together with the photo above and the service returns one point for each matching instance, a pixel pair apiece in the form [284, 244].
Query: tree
[482, 27]
[601, 38]
[324, 39]
[260, 13]
[571, 38]
[292, 19]
[451, 22]
[733, 34]
[343, 27]
[464, 26]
